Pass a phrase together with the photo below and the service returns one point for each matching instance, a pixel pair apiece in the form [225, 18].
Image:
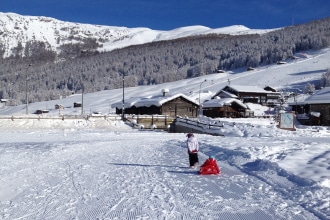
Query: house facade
[252, 94]
[319, 107]
[170, 105]
[224, 108]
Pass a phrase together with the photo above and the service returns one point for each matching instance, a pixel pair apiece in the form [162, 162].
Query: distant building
[59, 106]
[39, 112]
[77, 104]
[270, 89]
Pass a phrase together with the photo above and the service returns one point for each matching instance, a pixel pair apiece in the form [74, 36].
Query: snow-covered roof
[320, 97]
[214, 103]
[227, 94]
[158, 100]
[240, 88]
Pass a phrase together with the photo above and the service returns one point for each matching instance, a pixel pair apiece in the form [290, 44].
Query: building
[252, 94]
[319, 107]
[165, 104]
[225, 108]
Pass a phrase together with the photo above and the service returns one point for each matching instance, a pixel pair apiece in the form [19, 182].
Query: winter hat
[190, 135]
[211, 156]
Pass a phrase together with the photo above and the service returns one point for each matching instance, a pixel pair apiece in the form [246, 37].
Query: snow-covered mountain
[17, 30]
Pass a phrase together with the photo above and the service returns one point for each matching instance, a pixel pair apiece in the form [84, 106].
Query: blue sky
[170, 14]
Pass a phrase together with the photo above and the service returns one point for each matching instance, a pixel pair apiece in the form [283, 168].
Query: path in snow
[94, 174]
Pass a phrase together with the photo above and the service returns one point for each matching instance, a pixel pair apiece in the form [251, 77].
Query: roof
[226, 94]
[214, 103]
[158, 100]
[320, 97]
[269, 88]
[240, 88]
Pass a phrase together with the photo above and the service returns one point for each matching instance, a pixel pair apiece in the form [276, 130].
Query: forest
[45, 75]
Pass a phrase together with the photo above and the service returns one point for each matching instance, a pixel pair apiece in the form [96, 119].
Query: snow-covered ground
[103, 169]
[79, 172]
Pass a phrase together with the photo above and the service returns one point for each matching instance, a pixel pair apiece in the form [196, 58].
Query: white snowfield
[83, 172]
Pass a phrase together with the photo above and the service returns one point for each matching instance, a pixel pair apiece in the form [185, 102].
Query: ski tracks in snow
[125, 176]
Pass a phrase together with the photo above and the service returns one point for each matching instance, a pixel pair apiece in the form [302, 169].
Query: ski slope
[104, 174]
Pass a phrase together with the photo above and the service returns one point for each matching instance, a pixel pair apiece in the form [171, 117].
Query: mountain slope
[295, 74]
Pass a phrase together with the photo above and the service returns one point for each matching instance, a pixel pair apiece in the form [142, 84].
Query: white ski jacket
[192, 145]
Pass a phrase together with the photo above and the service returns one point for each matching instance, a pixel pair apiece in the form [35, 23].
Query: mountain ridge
[16, 31]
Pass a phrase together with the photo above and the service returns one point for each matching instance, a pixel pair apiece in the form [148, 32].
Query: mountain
[17, 31]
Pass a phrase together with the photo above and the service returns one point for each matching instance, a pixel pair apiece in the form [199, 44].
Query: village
[181, 113]
[232, 102]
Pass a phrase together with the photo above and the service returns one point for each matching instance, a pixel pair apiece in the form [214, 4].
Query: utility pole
[26, 91]
[82, 95]
[200, 87]
[123, 109]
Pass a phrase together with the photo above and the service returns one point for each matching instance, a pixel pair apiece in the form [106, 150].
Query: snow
[22, 29]
[220, 102]
[61, 166]
[157, 100]
[321, 96]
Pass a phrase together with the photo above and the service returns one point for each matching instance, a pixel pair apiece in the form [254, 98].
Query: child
[210, 166]
[193, 147]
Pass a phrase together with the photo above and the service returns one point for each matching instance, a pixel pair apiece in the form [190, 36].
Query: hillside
[293, 75]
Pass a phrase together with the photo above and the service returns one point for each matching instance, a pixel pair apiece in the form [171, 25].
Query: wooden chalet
[317, 106]
[252, 94]
[77, 104]
[224, 108]
[165, 104]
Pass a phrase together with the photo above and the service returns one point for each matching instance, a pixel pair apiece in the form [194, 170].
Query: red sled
[209, 167]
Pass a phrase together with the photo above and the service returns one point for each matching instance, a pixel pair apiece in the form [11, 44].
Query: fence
[150, 121]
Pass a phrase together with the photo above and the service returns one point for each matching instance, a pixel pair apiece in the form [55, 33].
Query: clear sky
[170, 14]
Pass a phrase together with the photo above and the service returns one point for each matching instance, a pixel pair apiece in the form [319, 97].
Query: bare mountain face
[21, 36]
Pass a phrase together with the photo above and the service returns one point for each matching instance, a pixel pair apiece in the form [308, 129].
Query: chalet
[59, 106]
[77, 104]
[3, 100]
[221, 71]
[246, 94]
[250, 68]
[8, 102]
[224, 107]
[165, 104]
[38, 112]
[319, 107]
